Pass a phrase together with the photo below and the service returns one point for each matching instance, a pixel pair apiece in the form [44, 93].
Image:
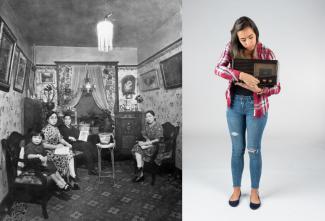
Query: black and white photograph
[78, 66]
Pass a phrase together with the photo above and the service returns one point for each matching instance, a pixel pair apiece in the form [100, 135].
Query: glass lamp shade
[105, 35]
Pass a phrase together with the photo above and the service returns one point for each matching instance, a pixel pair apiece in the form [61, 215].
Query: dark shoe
[66, 188]
[235, 203]
[75, 185]
[139, 179]
[92, 172]
[255, 206]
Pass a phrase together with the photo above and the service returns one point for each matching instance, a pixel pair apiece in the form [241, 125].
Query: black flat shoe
[255, 206]
[235, 203]
[75, 186]
[66, 188]
[138, 179]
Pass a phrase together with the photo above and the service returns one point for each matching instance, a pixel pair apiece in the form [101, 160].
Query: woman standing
[247, 105]
[53, 140]
[144, 150]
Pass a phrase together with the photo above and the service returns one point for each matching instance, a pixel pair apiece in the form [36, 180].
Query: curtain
[79, 73]
[99, 94]
[77, 79]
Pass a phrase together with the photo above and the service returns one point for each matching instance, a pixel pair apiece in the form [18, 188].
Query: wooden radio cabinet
[128, 126]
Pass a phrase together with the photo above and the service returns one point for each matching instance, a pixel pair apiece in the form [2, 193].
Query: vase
[49, 106]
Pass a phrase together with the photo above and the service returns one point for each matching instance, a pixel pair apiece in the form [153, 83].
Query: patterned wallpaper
[127, 102]
[11, 110]
[167, 104]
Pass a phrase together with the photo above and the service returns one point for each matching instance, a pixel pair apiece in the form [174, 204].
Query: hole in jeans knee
[252, 150]
[234, 134]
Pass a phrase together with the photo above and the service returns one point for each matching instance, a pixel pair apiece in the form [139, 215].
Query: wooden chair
[31, 185]
[165, 151]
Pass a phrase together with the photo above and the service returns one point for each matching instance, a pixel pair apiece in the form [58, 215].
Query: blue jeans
[240, 118]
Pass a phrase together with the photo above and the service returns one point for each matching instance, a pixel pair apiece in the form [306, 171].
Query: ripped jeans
[240, 118]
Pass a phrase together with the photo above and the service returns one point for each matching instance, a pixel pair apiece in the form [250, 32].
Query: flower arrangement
[139, 98]
[48, 93]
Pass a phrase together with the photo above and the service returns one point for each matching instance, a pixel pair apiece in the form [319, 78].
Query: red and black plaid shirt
[223, 69]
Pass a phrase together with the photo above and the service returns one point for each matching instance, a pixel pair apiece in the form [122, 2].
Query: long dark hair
[240, 24]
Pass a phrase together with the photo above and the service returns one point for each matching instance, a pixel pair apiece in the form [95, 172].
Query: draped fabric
[99, 94]
[79, 73]
[77, 79]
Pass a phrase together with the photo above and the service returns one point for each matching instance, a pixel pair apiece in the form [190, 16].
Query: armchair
[164, 157]
[28, 186]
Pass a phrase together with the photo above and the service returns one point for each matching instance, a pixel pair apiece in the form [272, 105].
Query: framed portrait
[149, 80]
[128, 85]
[171, 70]
[47, 77]
[21, 73]
[7, 47]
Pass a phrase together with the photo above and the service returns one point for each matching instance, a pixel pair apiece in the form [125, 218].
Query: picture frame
[21, 73]
[149, 80]
[128, 85]
[31, 80]
[7, 48]
[47, 77]
[171, 71]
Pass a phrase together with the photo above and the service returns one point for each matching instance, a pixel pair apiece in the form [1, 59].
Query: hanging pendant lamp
[105, 34]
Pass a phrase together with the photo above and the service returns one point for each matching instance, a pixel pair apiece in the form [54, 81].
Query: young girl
[37, 159]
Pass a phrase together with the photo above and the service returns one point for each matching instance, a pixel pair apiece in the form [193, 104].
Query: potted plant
[48, 96]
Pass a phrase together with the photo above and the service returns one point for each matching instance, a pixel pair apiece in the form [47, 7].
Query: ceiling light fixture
[105, 34]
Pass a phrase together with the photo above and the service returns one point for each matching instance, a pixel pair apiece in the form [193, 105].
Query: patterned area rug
[106, 200]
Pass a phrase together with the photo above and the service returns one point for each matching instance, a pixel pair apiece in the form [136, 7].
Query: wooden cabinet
[34, 114]
[128, 127]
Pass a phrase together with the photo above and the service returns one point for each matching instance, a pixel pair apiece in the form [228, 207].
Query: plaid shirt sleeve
[267, 54]
[222, 68]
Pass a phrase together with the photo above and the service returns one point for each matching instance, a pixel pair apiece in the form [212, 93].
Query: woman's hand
[43, 159]
[254, 88]
[72, 138]
[248, 79]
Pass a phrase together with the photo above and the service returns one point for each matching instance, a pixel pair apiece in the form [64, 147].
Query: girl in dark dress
[36, 157]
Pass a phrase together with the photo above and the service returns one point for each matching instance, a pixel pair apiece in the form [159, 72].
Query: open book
[83, 135]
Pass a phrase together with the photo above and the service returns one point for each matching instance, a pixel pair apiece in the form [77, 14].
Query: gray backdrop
[295, 31]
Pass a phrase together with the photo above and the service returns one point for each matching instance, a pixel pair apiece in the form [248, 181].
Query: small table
[111, 147]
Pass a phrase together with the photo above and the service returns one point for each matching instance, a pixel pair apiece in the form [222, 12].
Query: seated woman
[53, 140]
[37, 159]
[144, 150]
[71, 134]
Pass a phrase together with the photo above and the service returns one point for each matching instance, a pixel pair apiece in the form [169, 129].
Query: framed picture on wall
[149, 80]
[171, 70]
[47, 77]
[21, 73]
[7, 47]
[31, 80]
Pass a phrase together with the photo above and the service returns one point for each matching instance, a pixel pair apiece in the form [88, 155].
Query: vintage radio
[263, 70]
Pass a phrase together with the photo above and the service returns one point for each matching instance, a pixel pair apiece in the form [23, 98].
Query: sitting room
[99, 83]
